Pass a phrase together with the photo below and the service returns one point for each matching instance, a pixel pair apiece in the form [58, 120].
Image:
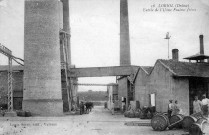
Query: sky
[95, 32]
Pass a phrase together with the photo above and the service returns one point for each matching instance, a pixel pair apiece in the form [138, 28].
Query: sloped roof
[197, 57]
[186, 68]
[147, 69]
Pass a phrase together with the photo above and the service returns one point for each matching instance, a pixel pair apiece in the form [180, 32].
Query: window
[152, 99]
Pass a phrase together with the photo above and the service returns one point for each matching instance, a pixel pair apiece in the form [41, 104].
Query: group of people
[198, 106]
[201, 106]
[173, 108]
[85, 107]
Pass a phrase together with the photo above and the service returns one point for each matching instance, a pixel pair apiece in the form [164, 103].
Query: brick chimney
[201, 44]
[175, 54]
[125, 57]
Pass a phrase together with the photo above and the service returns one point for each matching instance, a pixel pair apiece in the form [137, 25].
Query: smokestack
[42, 77]
[201, 44]
[66, 26]
[175, 54]
[124, 34]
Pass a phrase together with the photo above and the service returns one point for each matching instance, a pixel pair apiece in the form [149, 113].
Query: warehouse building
[173, 79]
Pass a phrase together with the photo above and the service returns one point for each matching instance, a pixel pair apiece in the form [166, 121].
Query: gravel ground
[98, 122]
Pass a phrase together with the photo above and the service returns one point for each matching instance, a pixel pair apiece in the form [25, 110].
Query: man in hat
[205, 105]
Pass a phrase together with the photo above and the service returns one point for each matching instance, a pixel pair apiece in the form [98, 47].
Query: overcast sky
[95, 32]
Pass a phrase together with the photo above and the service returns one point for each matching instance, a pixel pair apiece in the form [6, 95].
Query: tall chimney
[175, 54]
[201, 44]
[66, 26]
[124, 34]
[42, 93]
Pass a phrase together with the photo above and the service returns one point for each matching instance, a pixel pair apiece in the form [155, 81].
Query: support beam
[103, 71]
[94, 84]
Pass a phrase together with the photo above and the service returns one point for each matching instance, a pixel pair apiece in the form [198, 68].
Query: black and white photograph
[104, 67]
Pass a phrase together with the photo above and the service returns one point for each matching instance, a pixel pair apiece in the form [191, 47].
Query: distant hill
[93, 95]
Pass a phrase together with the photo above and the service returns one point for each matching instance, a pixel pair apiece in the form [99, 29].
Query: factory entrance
[96, 90]
[197, 87]
[127, 71]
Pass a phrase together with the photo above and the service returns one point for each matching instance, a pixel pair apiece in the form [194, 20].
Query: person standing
[205, 105]
[176, 108]
[82, 108]
[80, 105]
[197, 105]
[170, 108]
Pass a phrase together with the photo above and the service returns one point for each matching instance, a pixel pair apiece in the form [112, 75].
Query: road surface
[98, 122]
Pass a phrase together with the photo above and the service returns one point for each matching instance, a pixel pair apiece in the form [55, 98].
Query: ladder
[64, 65]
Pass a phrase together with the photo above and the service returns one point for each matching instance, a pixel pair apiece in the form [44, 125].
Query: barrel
[131, 115]
[198, 127]
[125, 113]
[176, 121]
[188, 121]
[205, 110]
[28, 114]
[137, 114]
[159, 122]
[142, 115]
[149, 115]
[20, 113]
[197, 115]
[159, 113]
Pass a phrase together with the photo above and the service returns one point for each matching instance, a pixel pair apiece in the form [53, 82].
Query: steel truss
[7, 52]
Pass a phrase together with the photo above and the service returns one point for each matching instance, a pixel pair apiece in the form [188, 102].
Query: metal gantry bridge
[94, 84]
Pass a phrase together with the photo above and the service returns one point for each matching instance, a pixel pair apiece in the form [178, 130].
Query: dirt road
[98, 122]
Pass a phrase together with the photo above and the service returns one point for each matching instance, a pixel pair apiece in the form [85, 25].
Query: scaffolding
[65, 66]
[7, 52]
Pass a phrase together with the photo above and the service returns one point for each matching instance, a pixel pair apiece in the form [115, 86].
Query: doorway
[197, 87]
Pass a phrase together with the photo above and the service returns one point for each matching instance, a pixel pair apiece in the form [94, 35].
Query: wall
[140, 88]
[122, 89]
[181, 93]
[110, 97]
[162, 83]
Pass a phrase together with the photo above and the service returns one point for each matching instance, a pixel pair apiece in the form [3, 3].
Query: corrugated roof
[186, 68]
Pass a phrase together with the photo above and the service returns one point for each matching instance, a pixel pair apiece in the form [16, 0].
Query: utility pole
[168, 38]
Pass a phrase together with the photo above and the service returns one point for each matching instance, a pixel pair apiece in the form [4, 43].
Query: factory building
[173, 79]
[18, 88]
[112, 93]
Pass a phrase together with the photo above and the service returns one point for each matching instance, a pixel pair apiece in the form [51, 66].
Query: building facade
[172, 80]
